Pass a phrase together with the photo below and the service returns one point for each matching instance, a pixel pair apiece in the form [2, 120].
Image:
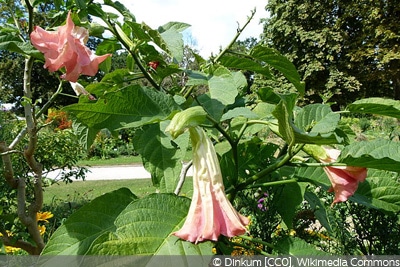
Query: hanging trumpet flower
[344, 179]
[66, 47]
[210, 214]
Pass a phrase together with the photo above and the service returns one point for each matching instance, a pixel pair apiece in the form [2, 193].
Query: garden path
[113, 173]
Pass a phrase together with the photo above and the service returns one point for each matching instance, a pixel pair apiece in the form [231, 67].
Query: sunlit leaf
[239, 112]
[284, 113]
[132, 106]
[222, 86]
[378, 154]
[317, 118]
[128, 16]
[376, 105]
[241, 63]
[297, 247]
[381, 190]
[118, 223]
[274, 59]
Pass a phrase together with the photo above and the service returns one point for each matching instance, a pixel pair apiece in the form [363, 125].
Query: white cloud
[214, 22]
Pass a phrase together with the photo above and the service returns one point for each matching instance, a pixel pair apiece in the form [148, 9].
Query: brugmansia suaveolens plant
[242, 140]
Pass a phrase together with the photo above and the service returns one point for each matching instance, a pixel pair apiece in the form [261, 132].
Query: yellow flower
[42, 229]
[12, 250]
[292, 232]
[43, 216]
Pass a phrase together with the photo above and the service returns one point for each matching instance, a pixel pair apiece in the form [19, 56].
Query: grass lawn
[87, 190]
[128, 160]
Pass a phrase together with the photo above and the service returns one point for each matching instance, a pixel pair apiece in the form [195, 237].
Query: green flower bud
[190, 117]
[316, 151]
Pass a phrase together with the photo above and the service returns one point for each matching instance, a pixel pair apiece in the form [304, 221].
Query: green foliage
[261, 140]
[130, 226]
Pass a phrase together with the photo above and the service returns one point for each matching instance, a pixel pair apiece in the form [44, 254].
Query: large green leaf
[171, 33]
[128, 16]
[223, 86]
[239, 112]
[378, 154]
[118, 223]
[381, 190]
[376, 105]
[318, 125]
[276, 60]
[82, 228]
[213, 107]
[268, 95]
[297, 247]
[161, 155]
[131, 106]
[292, 196]
[234, 62]
[86, 135]
[317, 118]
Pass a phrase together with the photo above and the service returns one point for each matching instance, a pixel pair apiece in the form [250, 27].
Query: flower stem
[280, 182]
[302, 164]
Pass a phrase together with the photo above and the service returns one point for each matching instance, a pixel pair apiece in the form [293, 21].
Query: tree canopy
[344, 50]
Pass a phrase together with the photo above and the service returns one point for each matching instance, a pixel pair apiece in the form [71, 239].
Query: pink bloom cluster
[210, 214]
[344, 179]
[66, 47]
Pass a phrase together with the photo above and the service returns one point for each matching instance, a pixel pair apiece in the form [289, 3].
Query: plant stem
[132, 51]
[262, 173]
[302, 164]
[8, 168]
[28, 215]
[182, 176]
[22, 133]
[280, 182]
[239, 31]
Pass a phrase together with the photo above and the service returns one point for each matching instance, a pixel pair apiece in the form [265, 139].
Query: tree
[344, 50]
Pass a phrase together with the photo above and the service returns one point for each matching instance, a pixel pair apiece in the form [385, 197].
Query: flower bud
[190, 117]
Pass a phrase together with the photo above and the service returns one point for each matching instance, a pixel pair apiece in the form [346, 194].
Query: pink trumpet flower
[344, 179]
[66, 47]
[210, 214]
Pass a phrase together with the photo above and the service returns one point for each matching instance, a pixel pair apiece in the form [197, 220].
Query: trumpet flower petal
[344, 179]
[66, 47]
[210, 214]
